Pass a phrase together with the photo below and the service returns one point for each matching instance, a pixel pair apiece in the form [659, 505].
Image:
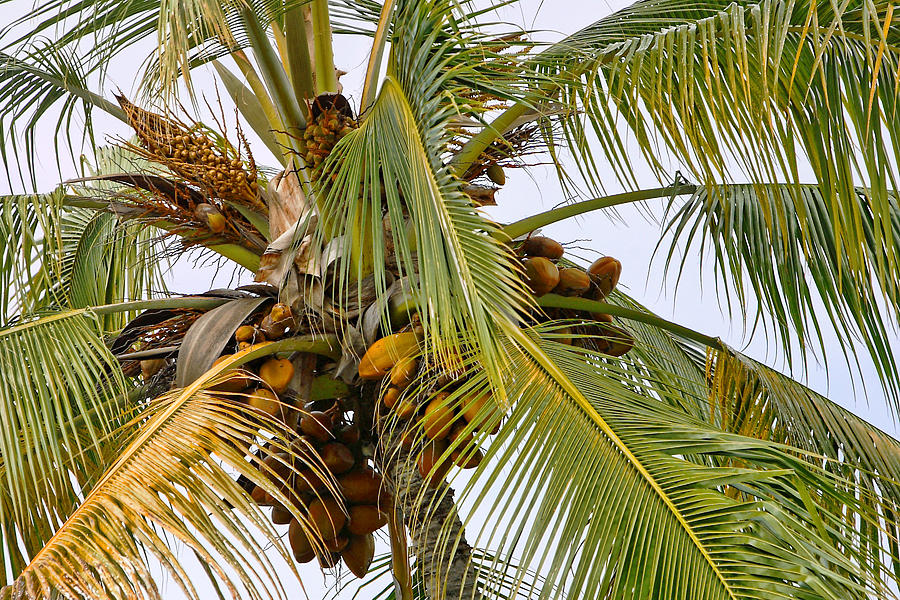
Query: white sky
[631, 238]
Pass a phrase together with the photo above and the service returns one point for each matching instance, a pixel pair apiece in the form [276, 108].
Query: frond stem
[299, 63]
[523, 226]
[378, 44]
[274, 75]
[326, 78]
[593, 306]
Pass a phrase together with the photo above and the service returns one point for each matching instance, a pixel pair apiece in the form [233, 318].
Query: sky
[630, 235]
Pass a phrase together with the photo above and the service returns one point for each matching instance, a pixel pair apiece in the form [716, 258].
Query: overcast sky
[631, 237]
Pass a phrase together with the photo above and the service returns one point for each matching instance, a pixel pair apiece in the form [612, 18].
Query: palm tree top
[395, 334]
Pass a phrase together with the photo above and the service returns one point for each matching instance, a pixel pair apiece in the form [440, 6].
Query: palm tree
[396, 334]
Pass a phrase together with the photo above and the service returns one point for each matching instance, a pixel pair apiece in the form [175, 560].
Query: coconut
[238, 378]
[337, 544]
[431, 468]
[480, 410]
[361, 486]
[277, 373]
[337, 457]
[391, 396]
[605, 274]
[317, 425]
[495, 173]
[572, 282]
[403, 373]
[264, 401]
[365, 518]
[281, 515]
[359, 553]
[300, 545]
[405, 408]
[151, 367]
[385, 353]
[541, 274]
[348, 434]
[542, 246]
[620, 341]
[326, 518]
[210, 216]
[466, 458]
[438, 417]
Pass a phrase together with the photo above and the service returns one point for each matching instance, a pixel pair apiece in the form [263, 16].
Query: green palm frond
[673, 363]
[36, 82]
[59, 256]
[776, 244]
[159, 489]
[757, 83]
[749, 398]
[768, 87]
[460, 271]
[110, 28]
[25, 276]
[602, 500]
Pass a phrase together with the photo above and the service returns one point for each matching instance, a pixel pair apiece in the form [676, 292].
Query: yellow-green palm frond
[775, 89]
[620, 494]
[173, 479]
[63, 400]
[758, 83]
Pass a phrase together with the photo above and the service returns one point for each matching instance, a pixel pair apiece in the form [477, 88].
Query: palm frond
[59, 256]
[718, 82]
[33, 84]
[777, 245]
[23, 223]
[603, 500]
[63, 400]
[772, 88]
[392, 166]
[158, 489]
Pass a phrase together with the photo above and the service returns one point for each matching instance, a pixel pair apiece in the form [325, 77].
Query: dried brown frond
[174, 206]
[161, 335]
[217, 169]
[168, 332]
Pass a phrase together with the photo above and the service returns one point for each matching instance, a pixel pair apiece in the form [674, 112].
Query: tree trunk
[443, 561]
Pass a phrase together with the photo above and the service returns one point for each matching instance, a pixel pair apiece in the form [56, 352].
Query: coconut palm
[401, 354]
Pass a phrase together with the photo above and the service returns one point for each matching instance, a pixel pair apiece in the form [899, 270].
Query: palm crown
[396, 333]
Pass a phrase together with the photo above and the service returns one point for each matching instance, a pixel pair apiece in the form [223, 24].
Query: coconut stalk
[443, 556]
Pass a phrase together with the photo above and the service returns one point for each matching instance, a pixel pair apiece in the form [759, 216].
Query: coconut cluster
[545, 273]
[327, 476]
[330, 119]
[330, 482]
[448, 421]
